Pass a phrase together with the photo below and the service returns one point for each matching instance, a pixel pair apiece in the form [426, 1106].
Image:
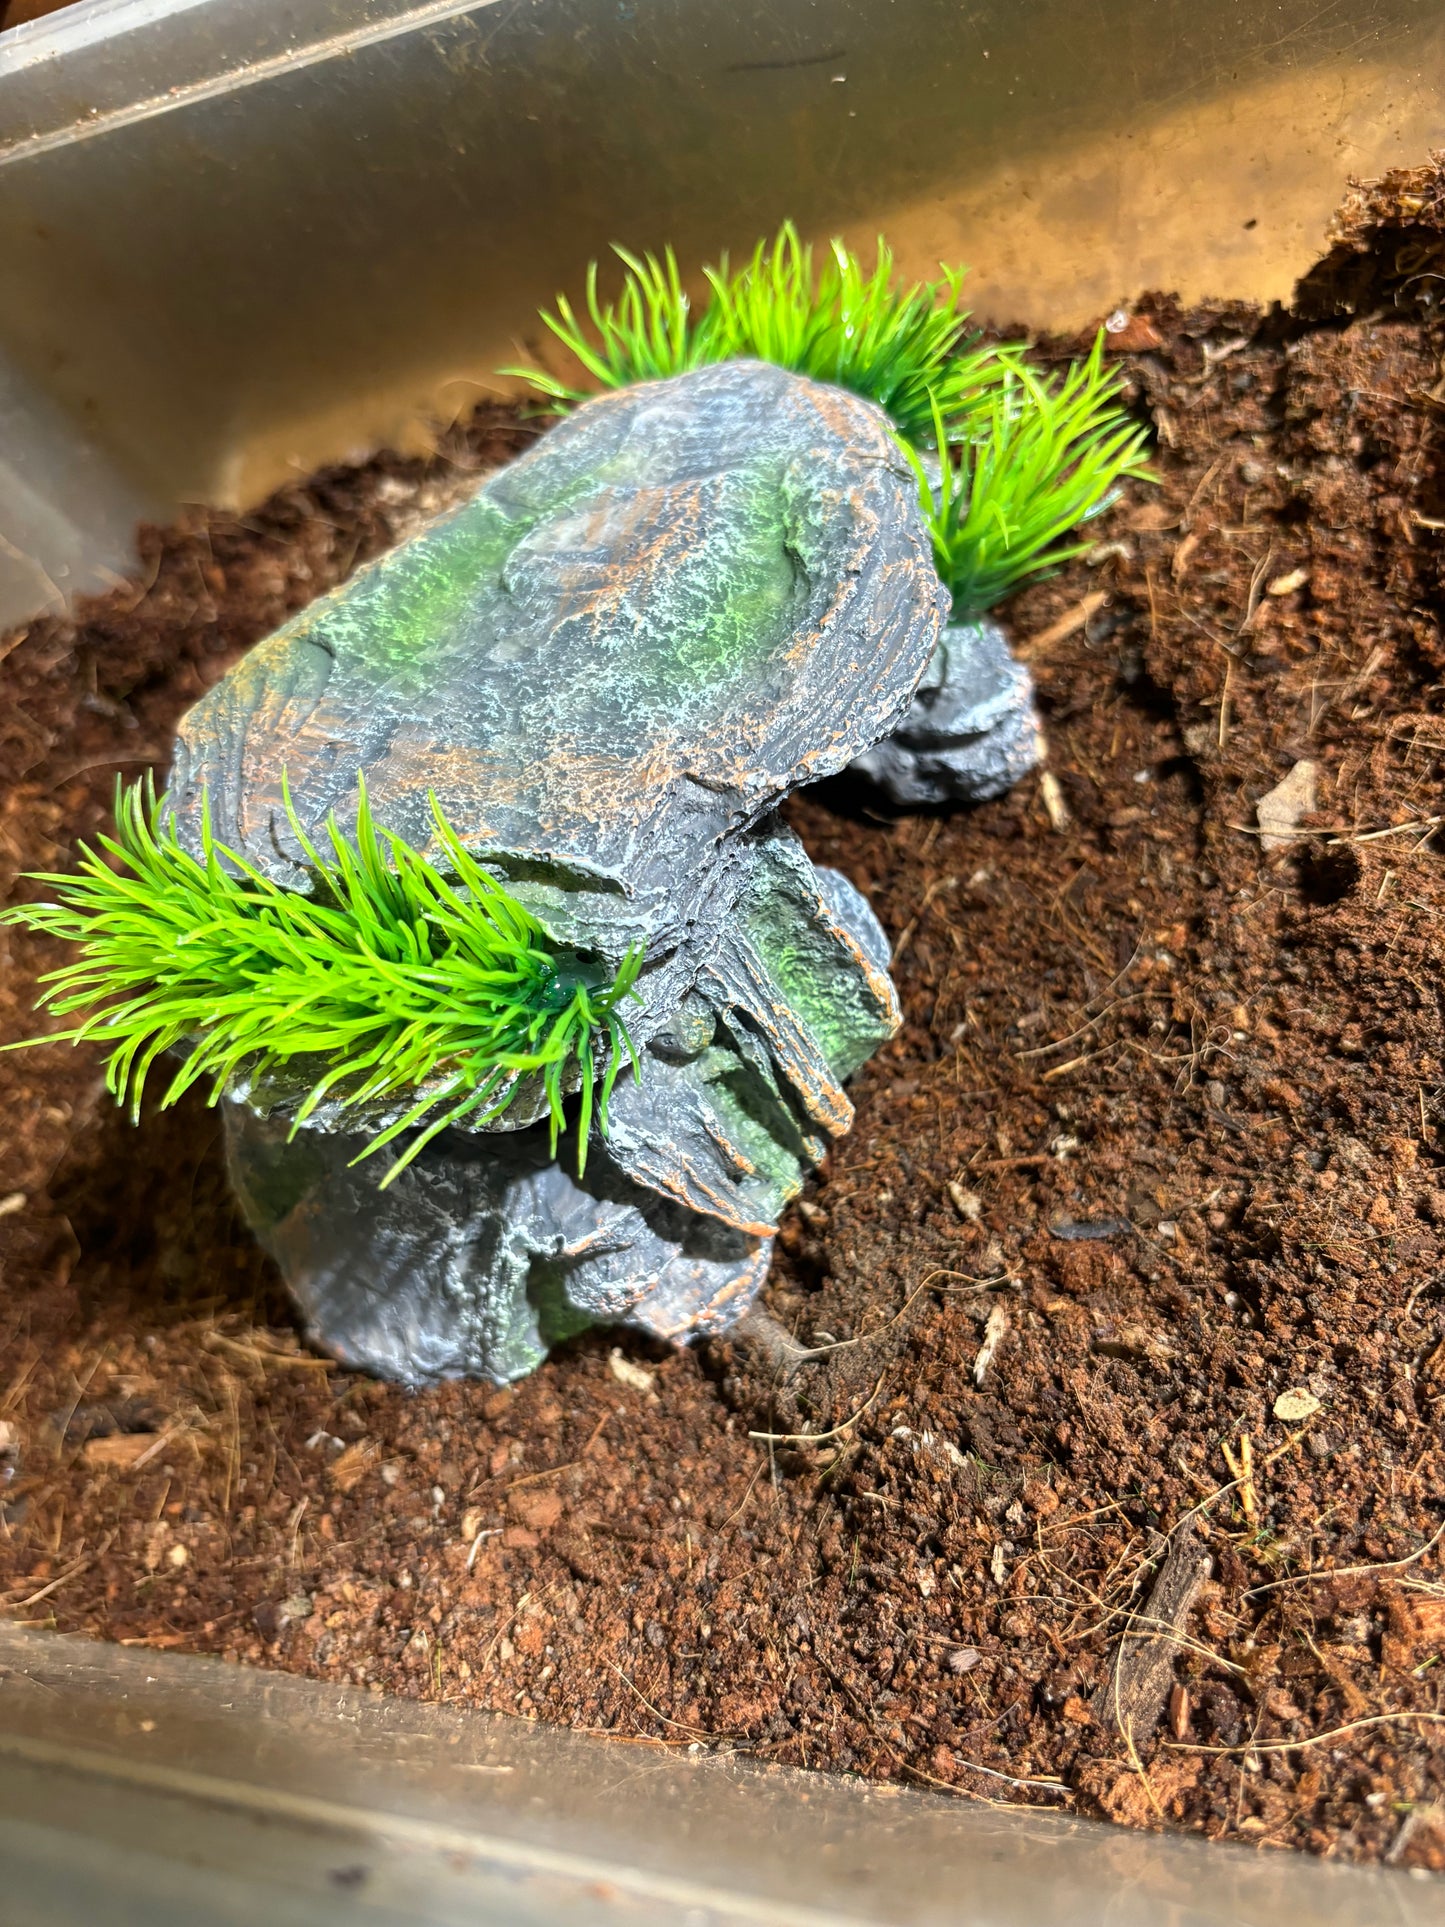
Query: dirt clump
[1112, 1478]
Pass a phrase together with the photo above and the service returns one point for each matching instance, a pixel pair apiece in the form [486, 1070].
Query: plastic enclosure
[239, 240]
[165, 1792]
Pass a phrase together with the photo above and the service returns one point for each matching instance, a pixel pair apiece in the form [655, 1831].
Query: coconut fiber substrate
[1111, 1474]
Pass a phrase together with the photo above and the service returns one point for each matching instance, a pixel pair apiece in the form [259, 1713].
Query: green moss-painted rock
[610, 667]
[629, 646]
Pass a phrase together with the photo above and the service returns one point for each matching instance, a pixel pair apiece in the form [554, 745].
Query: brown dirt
[1164, 1123]
[15, 13]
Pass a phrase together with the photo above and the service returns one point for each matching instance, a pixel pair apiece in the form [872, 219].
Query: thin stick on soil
[11, 1400]
[1347, 1572]
[527, 1599]
[1066, 626]
[820, 1438]
[547, 1471]
[21, 1605]
[1053, 1786]
[737, 1509]
[1222, 1491]
[968, 1288]
[1256, 596]
[261, 1354]
[1042, 1050]
[696, 1732]
[934, 890]
[1313, 1739]
[62, 1579]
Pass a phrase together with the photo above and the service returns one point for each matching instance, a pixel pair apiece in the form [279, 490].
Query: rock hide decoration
[609, 667]
[970, 733]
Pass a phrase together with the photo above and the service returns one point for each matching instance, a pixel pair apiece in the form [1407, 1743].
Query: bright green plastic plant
[393, 977]
[904, 349]
[1038, 455]
[1042, 458]
[647, 334]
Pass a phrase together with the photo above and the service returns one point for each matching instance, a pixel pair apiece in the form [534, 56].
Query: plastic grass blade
[394, 977]
[836, 322]
[1042, 456]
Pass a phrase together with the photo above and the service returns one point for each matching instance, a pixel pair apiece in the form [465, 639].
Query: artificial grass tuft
[836, 322]
[397, 975]
[1043, 456]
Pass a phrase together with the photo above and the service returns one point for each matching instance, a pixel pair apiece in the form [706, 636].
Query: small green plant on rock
[909, 350]
[396, 977]
[1042, 458]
